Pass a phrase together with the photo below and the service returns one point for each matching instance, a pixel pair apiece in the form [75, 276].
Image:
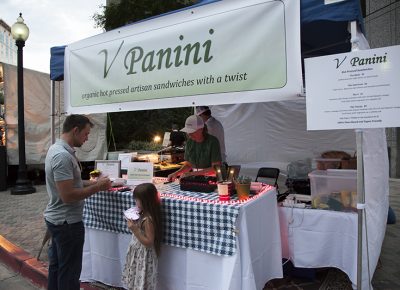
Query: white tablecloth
[256, 261]
[321, 238]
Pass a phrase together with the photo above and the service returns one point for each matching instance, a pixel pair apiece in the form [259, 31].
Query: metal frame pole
[53, 112]
[360, 205]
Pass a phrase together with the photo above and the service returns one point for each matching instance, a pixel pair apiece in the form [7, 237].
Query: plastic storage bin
[334, 189]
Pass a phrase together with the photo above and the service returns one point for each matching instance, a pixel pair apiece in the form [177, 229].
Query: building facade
[382, 26]
[8, 49]
[8, 54]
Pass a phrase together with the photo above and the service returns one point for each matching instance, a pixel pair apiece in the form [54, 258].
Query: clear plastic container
[334, 189]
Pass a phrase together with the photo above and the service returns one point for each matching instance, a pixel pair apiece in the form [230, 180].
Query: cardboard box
[328, 163]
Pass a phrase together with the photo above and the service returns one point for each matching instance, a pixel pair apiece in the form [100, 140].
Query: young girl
[140, 271]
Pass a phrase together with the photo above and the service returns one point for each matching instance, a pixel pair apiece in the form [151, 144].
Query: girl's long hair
[151, 204]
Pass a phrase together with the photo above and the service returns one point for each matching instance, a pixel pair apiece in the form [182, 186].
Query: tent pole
[360, 205]
[52, 112]
[357, 45]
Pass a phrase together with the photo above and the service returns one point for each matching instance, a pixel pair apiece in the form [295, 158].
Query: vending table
[313, 238]
[208, 244]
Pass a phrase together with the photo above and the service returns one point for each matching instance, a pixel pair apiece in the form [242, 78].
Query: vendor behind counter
[202, 150]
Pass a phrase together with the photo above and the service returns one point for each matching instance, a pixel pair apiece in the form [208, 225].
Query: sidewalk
[11, 280]
[22, 229]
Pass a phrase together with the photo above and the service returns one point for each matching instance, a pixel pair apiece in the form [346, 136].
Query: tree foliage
[139, 125]
[144, 125]
[118, 14]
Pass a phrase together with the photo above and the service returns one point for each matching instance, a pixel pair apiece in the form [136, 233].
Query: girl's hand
[146, 237]
[133, 226]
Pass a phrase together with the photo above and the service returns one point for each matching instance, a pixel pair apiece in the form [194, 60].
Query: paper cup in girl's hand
[132, 213]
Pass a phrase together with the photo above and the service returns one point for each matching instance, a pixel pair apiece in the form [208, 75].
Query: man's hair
[73, 121]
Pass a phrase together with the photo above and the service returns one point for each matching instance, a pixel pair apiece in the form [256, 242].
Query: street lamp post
[20, 33]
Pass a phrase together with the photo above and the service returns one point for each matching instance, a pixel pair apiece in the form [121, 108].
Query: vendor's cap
[192, 124]
[201, 109]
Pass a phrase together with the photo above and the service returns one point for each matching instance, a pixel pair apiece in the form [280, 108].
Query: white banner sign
[354, 90]
[221, 53]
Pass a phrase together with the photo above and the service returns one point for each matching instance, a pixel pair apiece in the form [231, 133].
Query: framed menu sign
[126, 158]
[354, 90]
[140, 172]
[110, 168]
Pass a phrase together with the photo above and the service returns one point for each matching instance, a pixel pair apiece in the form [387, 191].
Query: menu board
[110, 168]
[354, 90]
[140, 172]
[126, 158]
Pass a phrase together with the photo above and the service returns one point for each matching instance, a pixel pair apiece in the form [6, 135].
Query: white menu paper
[140, 172]
[354, 90]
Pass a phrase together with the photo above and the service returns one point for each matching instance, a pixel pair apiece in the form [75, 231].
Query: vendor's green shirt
[202, 155]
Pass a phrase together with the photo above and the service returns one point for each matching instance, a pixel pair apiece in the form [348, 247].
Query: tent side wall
[37, 119]
[95, 148]
[278, 133]
[36, 103]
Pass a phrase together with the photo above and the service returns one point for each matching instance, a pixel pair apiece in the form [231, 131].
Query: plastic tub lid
[328, 159]
[342, 172]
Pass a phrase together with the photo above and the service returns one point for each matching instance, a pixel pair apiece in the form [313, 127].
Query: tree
[120, 13]
[144, 125]
[139, 125]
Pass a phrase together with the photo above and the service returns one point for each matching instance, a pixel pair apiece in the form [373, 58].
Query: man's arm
[88, 182]
[69, 193]
[204, 171]
[185, 168]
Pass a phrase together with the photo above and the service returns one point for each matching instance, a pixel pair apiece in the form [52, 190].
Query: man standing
[63, 214]
[214, 127]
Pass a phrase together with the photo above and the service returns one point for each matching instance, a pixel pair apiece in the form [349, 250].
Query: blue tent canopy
[314, 10]
[324, 27]
[323, 30]
[57, 63]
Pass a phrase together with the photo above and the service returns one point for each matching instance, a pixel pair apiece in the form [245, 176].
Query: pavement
[22, 230]
[11, 280]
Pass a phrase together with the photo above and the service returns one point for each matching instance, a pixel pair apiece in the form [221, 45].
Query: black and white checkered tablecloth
[192, 220]
[104, 211]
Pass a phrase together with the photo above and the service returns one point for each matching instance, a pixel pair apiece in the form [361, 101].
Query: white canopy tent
[257, 134]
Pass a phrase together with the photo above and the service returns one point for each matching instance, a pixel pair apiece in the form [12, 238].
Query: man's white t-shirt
[214, 127]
